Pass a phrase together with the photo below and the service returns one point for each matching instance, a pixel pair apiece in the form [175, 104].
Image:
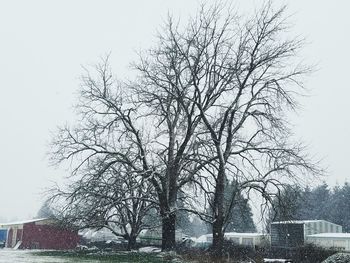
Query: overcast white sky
[44, 43]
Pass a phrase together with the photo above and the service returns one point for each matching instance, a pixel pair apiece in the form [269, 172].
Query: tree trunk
[218, 238]
[168, 231]
[218, 224]
[131, 242]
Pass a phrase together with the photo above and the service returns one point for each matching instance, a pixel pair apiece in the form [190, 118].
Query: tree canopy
[204, 120]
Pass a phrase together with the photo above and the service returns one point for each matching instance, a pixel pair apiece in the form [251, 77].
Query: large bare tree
[146, 127]
[246, 78]
[209, 104]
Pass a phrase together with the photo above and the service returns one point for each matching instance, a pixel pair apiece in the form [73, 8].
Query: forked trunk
[131, 243]
[168, 232]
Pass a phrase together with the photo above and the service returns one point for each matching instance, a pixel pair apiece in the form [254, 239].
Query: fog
[44, 44]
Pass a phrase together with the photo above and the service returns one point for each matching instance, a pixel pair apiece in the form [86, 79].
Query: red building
[40, 233]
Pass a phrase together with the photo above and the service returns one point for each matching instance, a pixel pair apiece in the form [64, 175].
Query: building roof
[203, 238]
[331, 235]
[236, 234]
[22, 222]
[300, 222]
[289, 222]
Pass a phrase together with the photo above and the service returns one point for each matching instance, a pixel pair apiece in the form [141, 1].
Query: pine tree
[319, 199]
[45, 210]
[339, 207]
[287, 205]
[241, 216]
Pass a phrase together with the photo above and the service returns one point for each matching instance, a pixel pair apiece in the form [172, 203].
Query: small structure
[42, 233]
[151, 237]
[245, 239]
[294, 233]
[340, 241]
[99, 235]
[154, 236]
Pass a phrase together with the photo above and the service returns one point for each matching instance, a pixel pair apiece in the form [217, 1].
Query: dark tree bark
[219, 214]
[168, 231]
[132, 244]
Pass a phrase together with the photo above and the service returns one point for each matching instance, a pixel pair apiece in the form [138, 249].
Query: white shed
[340, 241]
[246, 239]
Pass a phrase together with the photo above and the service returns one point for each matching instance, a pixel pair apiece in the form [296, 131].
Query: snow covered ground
[23, 256]
[150, 249]
[338, 258]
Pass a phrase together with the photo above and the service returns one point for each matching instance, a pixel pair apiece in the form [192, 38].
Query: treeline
[320, 203]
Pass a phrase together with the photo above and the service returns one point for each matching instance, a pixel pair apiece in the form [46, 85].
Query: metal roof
[22, 222]
[331, 235]
[300, 222]
[236, 234]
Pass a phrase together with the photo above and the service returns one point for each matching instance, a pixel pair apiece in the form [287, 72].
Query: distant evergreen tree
[319, 203]
[241, 216]
[293, 203]
[183, 222]
[45, 211]
[241, 219]
[189, 223]
[306, 205]
[287, 205]
[199, 227]
[296, 203]
[339, 208]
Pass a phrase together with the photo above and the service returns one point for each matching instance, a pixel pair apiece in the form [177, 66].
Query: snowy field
[20, 256]
[147, 255]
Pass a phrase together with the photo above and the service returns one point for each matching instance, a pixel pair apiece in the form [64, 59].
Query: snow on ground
[25, 256]
[275, 260]
[338, 258]
[149, 249]
[203, 238]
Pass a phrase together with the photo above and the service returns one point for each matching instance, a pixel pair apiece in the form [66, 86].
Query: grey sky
[44, 43]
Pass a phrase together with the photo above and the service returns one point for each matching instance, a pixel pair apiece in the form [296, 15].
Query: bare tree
[107, 198]
[164, 91]
[107, 156]
[209, 104]
[245, 80]
[141, 126]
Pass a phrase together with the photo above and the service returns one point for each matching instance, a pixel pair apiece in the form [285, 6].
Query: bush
[338, 258]
[235, 252]
[238, 253]
[311, 254]
[303, 254]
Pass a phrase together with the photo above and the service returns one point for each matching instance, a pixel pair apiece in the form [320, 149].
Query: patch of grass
[107, 257]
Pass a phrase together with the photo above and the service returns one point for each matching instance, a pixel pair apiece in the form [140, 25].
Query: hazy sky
[44, 43]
